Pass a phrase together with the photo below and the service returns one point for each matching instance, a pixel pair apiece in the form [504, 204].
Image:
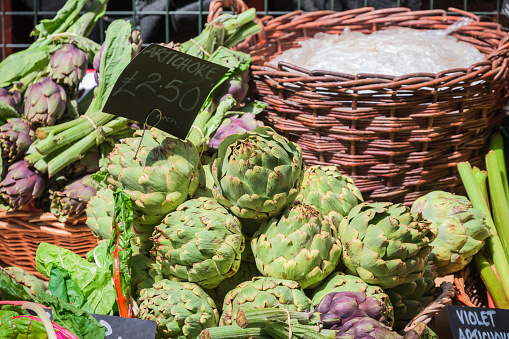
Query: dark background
[18, 16]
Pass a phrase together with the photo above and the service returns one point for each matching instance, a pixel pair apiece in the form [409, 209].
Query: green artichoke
[35, 285]
[68, 66]
[339, 282]
[246, 272]
[326, 189]
[411, 298]
[145, 273]
[100, 211]
[385, 244]
[16, 136]
[72, 200]
[302, 246]
[200, 242]
[257, 174]
[163, 175]
[45, 103]
[181, 309]
[461, 229]
[264, 293]
[21, 185]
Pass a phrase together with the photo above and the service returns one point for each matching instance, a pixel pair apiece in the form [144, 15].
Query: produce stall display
[234, 231]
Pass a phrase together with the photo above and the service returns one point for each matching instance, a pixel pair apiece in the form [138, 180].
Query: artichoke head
[264, 293]
[11, 97]
[302, 246]
[180, 309]
[385, 244]
[45, 103]
[257, 174]
[163, 175]
[21, 185]
[326, 189]
[72, 200]
[411, 298]
[339, 282]
[200, 242]
[68, 66]
[100, 211]
[461, 229]
[16, 136]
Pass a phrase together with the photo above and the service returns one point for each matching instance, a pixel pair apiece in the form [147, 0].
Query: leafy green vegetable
[64, 18]
[95, 282]
[19, 64]
[20, 327]
[7, 111]
[62, 286]
[116, 56]
[83, 26]
[10, 289]
[78, 321]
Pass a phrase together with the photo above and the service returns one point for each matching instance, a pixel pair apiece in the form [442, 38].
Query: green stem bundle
[494, 244]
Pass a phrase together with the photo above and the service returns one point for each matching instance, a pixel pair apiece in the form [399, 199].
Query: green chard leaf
[76, 320]
[25, 327]
[19, 64]
[62, 286]
[11, 290]
[95, 282]
[116, 56]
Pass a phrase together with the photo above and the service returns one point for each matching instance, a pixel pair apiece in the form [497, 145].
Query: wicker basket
[21, 232]
[469, 288]
[399, 137]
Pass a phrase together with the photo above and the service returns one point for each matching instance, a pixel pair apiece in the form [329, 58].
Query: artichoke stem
[491, 281]
[74, 152]
[75, 133]
[233, 332]
[281, 330]
[249, 317]
[43, 132]
[32, 159]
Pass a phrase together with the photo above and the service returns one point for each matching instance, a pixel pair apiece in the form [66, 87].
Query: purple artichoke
[237, 85]
[16, 136]
[367, 328]
[21, 185]
[12, 98]
[97, 58]
[69, 66]
[234, 125]
[72, 200]
[337, 308]
[44, 103]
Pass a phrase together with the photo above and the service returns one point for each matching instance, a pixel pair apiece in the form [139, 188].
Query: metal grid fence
[489, 9]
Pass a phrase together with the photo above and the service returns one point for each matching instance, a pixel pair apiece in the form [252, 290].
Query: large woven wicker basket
[399, 137]
[21, 232]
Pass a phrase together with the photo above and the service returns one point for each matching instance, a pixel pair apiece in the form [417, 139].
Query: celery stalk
[494, 244]
[498, 201]
[482, 177]
[497, 145]
[491, 281]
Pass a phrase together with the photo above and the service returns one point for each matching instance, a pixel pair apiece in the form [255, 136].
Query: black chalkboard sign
[118, 327]
[160, 78]
[478, 322]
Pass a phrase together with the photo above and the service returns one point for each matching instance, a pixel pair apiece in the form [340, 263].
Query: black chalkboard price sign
[478, 322]
[505, 8]
[172, 82]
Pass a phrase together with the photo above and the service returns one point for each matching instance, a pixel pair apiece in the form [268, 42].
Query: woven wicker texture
[399, 137]
[21, 232]
[469, 287]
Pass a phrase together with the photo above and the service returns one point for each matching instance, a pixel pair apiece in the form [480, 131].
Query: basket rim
[490, 35]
